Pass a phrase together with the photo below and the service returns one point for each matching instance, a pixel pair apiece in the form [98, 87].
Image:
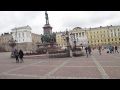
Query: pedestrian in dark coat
[16, 54]
[89, 50]
[116, 49]
[86, 49]
[21, 54]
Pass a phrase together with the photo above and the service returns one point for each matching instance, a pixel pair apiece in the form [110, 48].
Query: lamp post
[12, 44]
[108, 35]
[16, 38]
[74, 39]
[65, 36]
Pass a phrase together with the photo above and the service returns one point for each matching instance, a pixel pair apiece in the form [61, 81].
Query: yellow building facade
[60, 41]
[104, 36]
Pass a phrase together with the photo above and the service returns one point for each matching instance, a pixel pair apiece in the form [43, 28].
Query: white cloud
[59, 20]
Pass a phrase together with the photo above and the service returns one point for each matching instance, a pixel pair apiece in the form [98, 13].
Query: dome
[77, 28]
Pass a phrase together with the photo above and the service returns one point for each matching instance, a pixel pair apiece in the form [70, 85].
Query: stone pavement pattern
[106, 66]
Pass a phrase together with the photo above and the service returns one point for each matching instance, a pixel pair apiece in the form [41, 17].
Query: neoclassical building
[79, 36]
[103, 35]
[26, 40]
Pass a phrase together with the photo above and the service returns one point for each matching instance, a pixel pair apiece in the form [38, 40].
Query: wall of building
[26, 39]
[22, 34]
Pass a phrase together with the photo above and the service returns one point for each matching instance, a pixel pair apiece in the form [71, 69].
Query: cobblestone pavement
[105, 66]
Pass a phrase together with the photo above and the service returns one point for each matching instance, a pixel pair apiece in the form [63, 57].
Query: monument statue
[46, 17]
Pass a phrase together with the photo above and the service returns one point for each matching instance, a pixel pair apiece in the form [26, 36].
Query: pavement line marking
[23, 75]
[20, 67]
[55, 69]
[79, 66]
[50, 77]
[102, 71]
[115, 56]
[54, 77]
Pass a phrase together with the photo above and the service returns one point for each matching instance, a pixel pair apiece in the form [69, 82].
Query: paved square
[105, 66]
[78, 72]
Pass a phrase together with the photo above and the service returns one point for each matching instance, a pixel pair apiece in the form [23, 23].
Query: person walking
[86, 49]
[110, 49]
[89, 50]
[21, 54]
[99, 48]
[16, 54]
[116, 49]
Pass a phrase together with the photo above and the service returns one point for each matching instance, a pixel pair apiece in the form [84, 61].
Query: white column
[113, 33]
[75, 35]
[117, 32]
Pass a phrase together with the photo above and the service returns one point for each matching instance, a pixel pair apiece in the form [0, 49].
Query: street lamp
[108, 35]
[65, 36]
[74, 39]
[16, 38]
[12, 44]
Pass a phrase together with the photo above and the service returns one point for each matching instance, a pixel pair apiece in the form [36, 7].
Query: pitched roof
[24, 27]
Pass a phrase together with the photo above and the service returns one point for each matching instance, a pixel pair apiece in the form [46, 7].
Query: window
[112, 39]
[76, 34]
[80, 34]
[118, 29]
[118, 34]
[119, 38]
[98, 40]
[23, 39]
[115, 39]
[19, 34]
[108, 39]
[101, 40]
[23, 34]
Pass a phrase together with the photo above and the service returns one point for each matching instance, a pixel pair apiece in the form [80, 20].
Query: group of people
[18, 54]
[113, 49]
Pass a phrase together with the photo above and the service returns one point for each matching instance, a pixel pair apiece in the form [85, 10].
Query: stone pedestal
[47, 29]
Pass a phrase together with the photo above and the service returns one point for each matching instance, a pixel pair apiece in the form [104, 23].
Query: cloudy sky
[59, 20]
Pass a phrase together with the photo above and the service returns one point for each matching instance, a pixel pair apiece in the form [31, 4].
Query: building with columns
[26, 40]
[22, 34]
[103, 36]
[79, 36]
